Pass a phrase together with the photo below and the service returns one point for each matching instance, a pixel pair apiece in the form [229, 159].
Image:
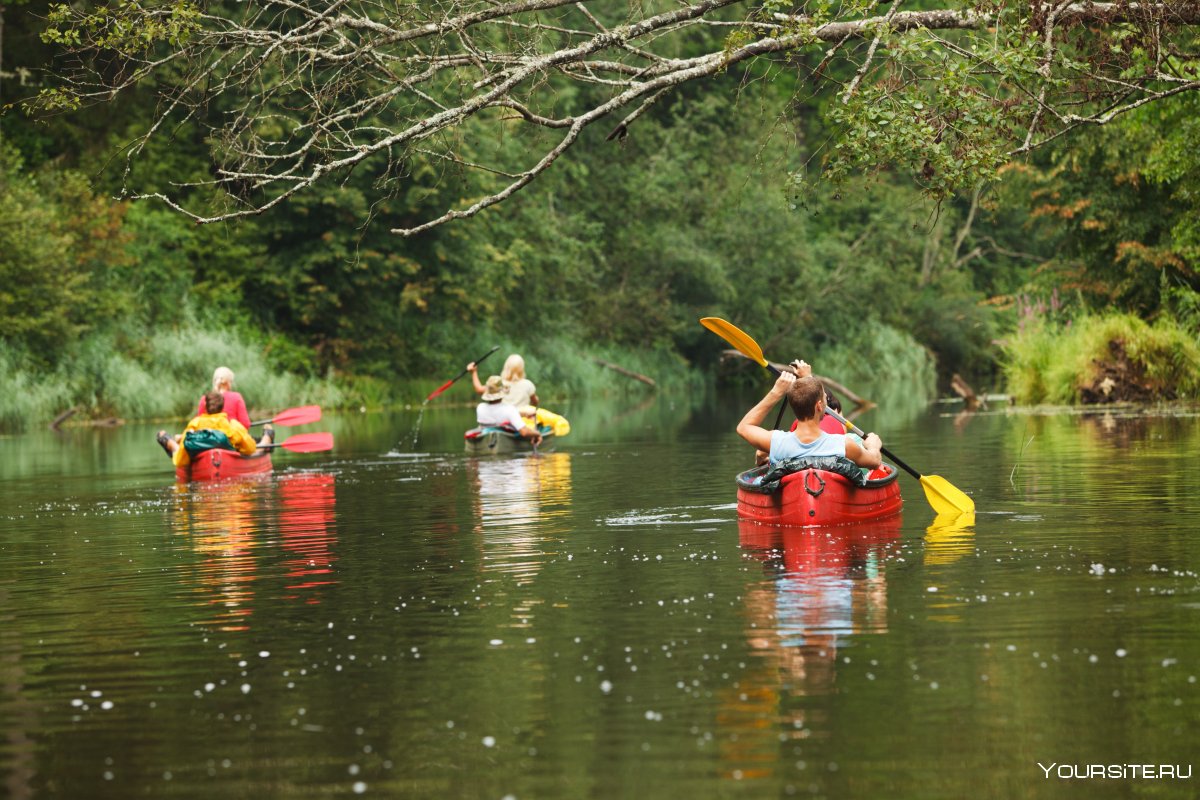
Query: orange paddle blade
[440, 389]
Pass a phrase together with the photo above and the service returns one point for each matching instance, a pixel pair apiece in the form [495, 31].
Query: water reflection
[231, 526]
[18, 714]
[949, 537]
[763, 657]
[518, 502]
[306, 524]
[220, 521]
[1121, 430]
[827, 585]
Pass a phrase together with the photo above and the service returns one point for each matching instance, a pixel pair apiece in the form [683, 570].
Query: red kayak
[812, 496]
[212, 465]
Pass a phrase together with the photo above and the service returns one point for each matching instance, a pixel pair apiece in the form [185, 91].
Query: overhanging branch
[292, 94]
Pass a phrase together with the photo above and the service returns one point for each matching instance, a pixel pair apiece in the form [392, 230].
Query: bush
[1046, 362]
[58, 242]
[887, 360]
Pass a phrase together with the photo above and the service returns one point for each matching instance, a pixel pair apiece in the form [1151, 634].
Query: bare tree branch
[866, 64]
[292, 93]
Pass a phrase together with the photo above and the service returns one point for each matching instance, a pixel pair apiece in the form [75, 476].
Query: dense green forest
[713, 204]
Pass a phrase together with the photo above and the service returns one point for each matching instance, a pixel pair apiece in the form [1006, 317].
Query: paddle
[304, 443]
[941, 494]
[293, 416]
[779, 417]
[944, 496]
[450, 382]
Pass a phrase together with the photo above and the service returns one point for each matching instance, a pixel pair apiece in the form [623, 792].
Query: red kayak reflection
[826, 586]
[830, 584]
[307, 501]
[249, 530]
[224, 521]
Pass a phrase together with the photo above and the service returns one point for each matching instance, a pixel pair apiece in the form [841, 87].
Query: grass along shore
[1106, 358]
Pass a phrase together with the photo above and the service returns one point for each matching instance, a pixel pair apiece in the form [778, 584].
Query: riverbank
[108, 380]
[1100, 359]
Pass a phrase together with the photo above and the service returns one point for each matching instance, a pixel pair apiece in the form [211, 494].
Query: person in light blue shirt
[806, 395]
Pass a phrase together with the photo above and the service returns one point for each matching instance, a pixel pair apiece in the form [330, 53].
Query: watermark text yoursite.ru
[1117, 771]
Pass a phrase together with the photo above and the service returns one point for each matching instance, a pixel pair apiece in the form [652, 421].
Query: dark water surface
[594, 622]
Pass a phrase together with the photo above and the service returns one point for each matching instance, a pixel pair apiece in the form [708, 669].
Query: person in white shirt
[494, 412]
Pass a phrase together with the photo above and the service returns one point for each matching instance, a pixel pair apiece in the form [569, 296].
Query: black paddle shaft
[783, 405]
[450, 382]
[476, 361]
[855, 429]
[779, 419]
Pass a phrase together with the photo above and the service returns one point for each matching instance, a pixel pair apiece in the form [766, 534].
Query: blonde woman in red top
[235, 406]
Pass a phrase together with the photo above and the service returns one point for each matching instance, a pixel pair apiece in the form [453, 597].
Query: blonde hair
[221, 377]
[514, 368]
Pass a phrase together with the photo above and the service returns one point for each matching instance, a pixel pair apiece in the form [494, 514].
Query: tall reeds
[1053, 362]
[151, 375]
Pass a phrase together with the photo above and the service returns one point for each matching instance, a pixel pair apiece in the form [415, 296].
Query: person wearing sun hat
[518, 389]
[493, 412]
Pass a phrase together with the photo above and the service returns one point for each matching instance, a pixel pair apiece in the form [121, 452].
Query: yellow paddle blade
[945, 497]
[736, 337]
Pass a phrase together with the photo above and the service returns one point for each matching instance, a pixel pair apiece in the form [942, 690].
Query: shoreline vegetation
[1091, 360]
[100, 382]
[1102, 359]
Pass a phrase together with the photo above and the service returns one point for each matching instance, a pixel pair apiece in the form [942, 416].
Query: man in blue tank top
[806, 395]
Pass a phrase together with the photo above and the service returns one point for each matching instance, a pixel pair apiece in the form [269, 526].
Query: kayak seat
[477, 431]
[767, 479]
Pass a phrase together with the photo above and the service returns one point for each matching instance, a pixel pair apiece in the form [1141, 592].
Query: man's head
[804, 395]
[214, 402]
[493, 390]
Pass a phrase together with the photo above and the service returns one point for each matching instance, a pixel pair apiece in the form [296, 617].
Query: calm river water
[399, 621]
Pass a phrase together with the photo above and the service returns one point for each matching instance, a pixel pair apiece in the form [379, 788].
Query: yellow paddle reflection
[521, 504]
[949, 537]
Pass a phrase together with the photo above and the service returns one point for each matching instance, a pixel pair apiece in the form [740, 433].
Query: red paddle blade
[440, 389]
[298, 416]
[308, 442]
